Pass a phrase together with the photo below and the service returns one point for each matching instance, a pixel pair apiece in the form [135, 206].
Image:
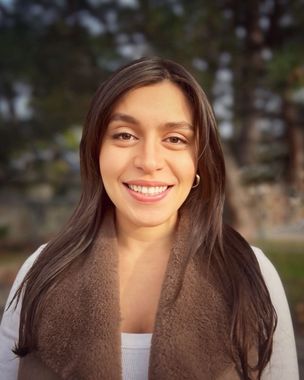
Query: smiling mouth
[147, 190]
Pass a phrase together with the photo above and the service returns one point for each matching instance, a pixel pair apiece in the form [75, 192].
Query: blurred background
[247, 55]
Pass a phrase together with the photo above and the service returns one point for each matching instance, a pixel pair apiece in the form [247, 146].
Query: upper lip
[147, 183]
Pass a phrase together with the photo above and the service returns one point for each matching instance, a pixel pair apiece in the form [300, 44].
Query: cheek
[110, 168]
[107, 174]
[186, 168]
[105, 165]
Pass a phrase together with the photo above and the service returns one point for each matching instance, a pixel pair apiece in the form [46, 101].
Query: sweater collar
[79, 331]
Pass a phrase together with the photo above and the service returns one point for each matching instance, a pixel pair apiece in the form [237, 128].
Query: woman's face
[147, 158]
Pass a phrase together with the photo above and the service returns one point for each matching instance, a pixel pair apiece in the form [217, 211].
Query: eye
[123, 136]
[176, 140]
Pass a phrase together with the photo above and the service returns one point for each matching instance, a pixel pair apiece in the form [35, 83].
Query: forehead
[163, 98]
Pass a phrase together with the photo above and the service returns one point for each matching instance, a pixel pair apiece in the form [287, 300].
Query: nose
[149, 157]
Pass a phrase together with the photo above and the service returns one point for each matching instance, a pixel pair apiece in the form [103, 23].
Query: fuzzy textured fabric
[79, 332]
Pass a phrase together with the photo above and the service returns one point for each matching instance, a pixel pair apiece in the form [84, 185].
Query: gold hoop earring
[197, 181]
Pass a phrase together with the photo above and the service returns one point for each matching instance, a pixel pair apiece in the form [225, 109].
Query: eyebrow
[130, 119]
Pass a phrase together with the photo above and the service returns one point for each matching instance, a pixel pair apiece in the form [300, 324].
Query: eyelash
[125, 136]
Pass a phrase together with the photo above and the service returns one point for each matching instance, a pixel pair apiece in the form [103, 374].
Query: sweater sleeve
[283, 363]
[9, 328]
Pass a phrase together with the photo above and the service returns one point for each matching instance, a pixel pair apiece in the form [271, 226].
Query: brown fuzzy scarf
[79, 331]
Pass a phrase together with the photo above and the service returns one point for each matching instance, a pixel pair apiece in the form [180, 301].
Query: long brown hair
[228, 254]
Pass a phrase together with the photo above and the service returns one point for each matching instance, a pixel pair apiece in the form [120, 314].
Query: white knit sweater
[135, 350]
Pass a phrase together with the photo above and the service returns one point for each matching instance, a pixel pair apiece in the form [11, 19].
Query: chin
[151, 223]
[149, 219]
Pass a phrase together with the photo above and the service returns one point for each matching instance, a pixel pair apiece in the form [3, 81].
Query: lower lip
[148, 198]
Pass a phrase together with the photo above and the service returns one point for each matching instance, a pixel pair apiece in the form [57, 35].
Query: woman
[146, 281]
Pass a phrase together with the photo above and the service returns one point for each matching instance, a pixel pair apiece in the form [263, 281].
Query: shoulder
[26, 266]
[272, 281]
[283, 363]
[268, 270]
[9, 327]
[28, 263]
[32, 258]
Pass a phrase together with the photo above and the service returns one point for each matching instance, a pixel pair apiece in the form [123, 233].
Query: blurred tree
[286, 78]
[267, 68]
[54, 54]
[48, 53]
[248, 68]
[186, 31]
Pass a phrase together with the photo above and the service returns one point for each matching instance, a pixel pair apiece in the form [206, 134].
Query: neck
[138, 240]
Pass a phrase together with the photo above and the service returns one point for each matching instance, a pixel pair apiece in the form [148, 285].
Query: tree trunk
[237, 212]
[249, 67]
[295, 141]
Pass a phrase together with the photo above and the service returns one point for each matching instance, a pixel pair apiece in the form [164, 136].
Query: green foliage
[282, 69]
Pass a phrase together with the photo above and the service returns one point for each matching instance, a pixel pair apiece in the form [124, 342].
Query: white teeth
[148, 190]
